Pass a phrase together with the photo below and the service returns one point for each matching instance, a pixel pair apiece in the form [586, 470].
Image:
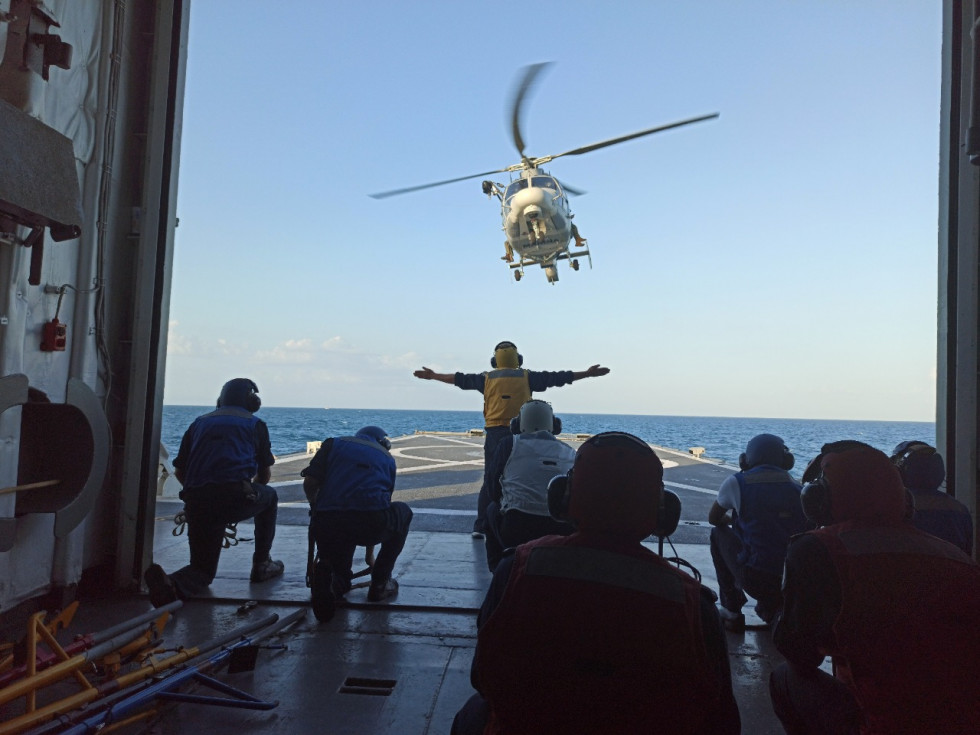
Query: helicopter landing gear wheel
[551, 272]
[517, 275]
[575, 265]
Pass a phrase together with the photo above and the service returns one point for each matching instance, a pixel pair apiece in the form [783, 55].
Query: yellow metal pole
[36, 680]
[29, 720]
[28, 486]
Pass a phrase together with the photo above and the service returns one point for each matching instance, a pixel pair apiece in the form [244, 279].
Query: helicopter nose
[532, 196]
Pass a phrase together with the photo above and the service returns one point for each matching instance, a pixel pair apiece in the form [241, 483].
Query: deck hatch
[363, 685]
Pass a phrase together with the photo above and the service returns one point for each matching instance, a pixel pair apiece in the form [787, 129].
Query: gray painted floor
[422, 640]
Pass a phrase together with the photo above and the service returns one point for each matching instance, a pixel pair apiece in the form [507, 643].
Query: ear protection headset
[906, 450]
[562, 487]
[515, 425]
[559, 495]
[535, 405]
[668, 514]
[253, 403]
[374, 433]
[503, 345]
[240, 392]
[766, 449]
[816, 494]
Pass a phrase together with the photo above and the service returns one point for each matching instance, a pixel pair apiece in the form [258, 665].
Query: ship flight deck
[416, 647]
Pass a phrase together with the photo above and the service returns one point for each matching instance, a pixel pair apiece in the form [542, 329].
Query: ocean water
[723, 438]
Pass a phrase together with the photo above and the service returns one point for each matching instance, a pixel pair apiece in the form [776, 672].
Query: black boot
[321, 592]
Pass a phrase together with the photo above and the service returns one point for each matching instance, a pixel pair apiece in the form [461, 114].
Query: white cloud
[405, 360]
[177, 344]
[334, 343]
[290, 352]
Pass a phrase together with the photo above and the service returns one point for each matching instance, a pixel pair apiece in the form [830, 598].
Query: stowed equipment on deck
[109, 655]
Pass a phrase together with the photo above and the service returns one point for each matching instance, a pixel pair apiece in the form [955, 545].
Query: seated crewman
[936, 512]
[757, 511]
[349, 483]
[594, 632]
[519, 477]
[896, 608]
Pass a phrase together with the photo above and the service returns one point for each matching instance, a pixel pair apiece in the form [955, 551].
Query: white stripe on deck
[435, 464]
[452, 512]
[423, 511]
[693, 488]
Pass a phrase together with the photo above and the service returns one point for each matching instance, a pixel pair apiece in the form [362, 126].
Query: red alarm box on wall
[54, 335]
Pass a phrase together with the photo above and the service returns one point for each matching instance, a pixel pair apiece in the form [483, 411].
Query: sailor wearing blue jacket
[756, 513]
[936, 512]
[224, 464]
[349, 483]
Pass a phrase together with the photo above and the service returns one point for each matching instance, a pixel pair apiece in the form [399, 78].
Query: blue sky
[779, 261]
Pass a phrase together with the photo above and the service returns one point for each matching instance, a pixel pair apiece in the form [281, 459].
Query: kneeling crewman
[349, 483]
[757, 511]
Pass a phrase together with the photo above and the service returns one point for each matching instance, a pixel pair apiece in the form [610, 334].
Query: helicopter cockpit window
[544, 182]
[514, 187]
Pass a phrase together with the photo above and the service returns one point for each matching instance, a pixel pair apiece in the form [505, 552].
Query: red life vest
[595, 636]
[907, 640]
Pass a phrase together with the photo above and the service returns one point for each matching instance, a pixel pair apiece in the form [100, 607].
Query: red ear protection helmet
[851, 480]
[615, 487]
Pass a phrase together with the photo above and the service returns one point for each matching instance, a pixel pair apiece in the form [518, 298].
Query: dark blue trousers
[492, 438]
[735, 579]
[209, 510]
[339, 532]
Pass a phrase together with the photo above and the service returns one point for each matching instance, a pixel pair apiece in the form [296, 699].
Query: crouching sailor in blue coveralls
[757, 511]
[349, 483]
[224, 465]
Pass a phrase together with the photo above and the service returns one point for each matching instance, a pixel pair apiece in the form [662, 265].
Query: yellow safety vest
[504, 392]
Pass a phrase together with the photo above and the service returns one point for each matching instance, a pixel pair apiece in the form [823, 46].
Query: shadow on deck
[423, 641]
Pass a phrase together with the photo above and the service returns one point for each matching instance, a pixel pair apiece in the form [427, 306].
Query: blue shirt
[769, 513]
[940, 514]
[537, 380]
[353, 474]
[224, 446]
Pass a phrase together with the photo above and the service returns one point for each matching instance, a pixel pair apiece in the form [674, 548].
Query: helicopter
[534, 207]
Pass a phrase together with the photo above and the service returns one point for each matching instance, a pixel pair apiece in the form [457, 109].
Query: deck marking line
[703, 490]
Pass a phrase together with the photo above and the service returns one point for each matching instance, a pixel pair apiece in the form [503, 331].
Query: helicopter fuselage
[537, 219]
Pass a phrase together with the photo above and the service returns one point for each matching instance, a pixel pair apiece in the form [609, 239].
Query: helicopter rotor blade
[571, 190]
[530, 75]
[624, 138]
[406, 190]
